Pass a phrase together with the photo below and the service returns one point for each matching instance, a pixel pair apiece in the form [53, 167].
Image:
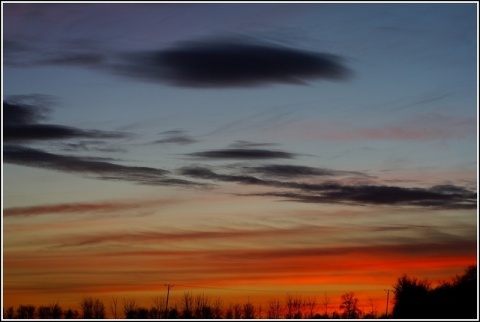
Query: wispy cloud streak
[421, 127]
[176, 137]
[291, 171]
[81, 208]
[441, 196]
[100, 169]
[231, 266]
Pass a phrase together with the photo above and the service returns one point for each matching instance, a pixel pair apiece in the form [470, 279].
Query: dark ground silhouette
[413, 299]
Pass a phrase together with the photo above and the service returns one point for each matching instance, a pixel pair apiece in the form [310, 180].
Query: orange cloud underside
[64, 252]
[143, 272]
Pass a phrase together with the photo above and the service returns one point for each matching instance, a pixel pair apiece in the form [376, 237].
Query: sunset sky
[239, 150]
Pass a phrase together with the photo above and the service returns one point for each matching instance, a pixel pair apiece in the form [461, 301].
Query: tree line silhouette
[413, 298]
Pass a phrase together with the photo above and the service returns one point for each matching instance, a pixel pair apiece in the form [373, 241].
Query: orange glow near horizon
[306, 271]
[64, 252]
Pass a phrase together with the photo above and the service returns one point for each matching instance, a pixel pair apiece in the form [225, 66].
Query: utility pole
[326, 301]
[168, 286]
[386, 310]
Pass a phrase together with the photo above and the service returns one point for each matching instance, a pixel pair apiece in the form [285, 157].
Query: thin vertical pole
[386, 310]
[168, 286]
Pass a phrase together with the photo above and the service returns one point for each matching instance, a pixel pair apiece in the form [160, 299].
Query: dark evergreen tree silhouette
[411, 298]
[450, 300]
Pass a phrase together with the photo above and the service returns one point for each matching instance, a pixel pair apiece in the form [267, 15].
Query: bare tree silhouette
[274, 308]
[294, 306]
[86, 305]
[52, 311]
[158, 308]
[71, 314]
[113, 307]
[325, 302]
[350, 306]
[217, 308]
[98, 309]
[92, 308]
[234, 311]
[26, 312]
[187, 306]
[9, 313]
[373, 309]
[248, 311]
[310, 304]
[130, 308]
[202, 307]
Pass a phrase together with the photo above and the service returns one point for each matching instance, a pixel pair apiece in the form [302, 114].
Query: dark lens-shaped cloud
[99, 169]
[212, 63]
[238, 154]
[227, 63]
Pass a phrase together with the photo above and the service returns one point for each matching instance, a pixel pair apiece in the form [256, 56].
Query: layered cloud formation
[22, 115]
[291, 182]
